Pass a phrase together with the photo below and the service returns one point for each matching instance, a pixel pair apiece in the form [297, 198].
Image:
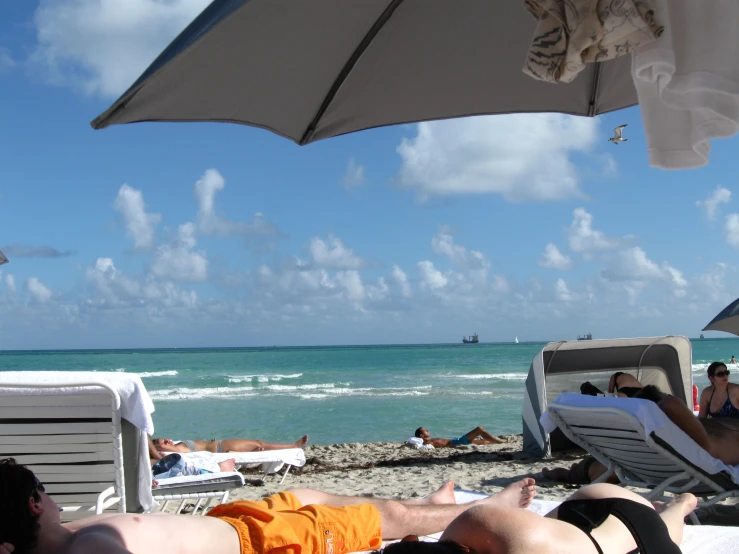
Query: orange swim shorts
[281, 522]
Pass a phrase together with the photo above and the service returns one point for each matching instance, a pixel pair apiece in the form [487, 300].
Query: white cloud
[101, 47]
[352, 284]
[38, 290]
[710, 205]
[10, 282]
[562, 291]
[633, 265]
[334, 255]
[401, 278]
[585, 240]
[210, 223]
[431, 277]
[552, 258]
[732, 230]
[139, 224]
[111, 288]
[519, 156]
[443, 243]
[354, 175]
[177, 261]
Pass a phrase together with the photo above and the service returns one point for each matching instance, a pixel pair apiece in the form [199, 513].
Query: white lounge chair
[72, 433]
[637, 441]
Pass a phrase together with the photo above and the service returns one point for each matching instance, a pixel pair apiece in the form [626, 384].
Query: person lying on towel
[295, 521]
[596, 519]
[157, 447]
[477, 436]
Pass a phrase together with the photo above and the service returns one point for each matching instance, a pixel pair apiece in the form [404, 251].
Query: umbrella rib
[348, 66]
[592, 109]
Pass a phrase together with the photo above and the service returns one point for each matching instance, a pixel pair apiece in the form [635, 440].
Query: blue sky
[177, 235]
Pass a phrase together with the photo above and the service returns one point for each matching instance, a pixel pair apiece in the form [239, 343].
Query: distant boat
[589, 336]
[702, 336]
[516, 340]
[472, 339]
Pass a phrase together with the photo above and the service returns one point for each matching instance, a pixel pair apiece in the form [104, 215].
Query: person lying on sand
[596, 519]
[477, 436]
[297, 520]
[158, 446]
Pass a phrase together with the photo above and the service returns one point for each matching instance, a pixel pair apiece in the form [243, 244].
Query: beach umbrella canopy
[318, 69]
[3, 259]
[727, 320]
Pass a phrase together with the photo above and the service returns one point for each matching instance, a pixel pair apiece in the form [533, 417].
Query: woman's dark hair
[422, 547]
[17, 525]
[650, 392]
[713, 367]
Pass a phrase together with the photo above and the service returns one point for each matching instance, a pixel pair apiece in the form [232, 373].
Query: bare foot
[443, 495]
[684, 503]
[516, 495]
[302, 442]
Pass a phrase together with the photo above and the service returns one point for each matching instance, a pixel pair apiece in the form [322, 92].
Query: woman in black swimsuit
[597, 519]
[721, 398]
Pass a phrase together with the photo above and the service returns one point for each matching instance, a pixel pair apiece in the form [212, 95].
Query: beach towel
[417, 442]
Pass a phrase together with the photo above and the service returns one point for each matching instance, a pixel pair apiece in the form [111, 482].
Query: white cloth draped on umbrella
[571, 33]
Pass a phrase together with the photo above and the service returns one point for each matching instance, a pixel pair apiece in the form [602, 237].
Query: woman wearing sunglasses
[721, 398]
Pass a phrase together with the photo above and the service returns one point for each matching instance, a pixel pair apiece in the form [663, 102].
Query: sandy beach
[395, 470]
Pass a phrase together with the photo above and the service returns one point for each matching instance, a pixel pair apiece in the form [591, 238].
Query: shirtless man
[224, 445]
[589, 522]
[469, 438]
[30, 522]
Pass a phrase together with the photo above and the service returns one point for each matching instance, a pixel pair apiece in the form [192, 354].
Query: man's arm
[684, 418]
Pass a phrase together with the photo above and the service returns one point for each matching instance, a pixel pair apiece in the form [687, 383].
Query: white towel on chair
[136, 404]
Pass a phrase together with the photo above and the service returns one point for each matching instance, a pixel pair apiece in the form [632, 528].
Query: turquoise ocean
[335, 394]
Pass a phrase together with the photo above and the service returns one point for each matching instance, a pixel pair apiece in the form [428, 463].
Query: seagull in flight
[618, 135]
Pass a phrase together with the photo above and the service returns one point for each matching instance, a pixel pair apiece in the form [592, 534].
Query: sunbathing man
[597, 519]
[300, 520]
[477, 436]
[222, 445]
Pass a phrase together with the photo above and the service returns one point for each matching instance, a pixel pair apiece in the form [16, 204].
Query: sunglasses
[455, 544]
[39, 486]
[722, 373]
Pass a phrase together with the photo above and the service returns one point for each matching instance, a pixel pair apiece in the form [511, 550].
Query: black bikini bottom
[644, 524]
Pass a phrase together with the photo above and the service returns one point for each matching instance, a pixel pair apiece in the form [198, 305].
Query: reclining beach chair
[70, 429]
[636, 440]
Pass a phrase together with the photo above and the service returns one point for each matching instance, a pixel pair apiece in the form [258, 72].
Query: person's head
[411, 545]
[422, 433]
[718, 372]
[24, 506]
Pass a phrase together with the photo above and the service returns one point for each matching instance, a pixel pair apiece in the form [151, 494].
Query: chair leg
[285, 474]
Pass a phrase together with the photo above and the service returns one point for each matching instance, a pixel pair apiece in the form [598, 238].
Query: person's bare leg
[249, 445]
[516, 495]
[480, 432]
[672, 513]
